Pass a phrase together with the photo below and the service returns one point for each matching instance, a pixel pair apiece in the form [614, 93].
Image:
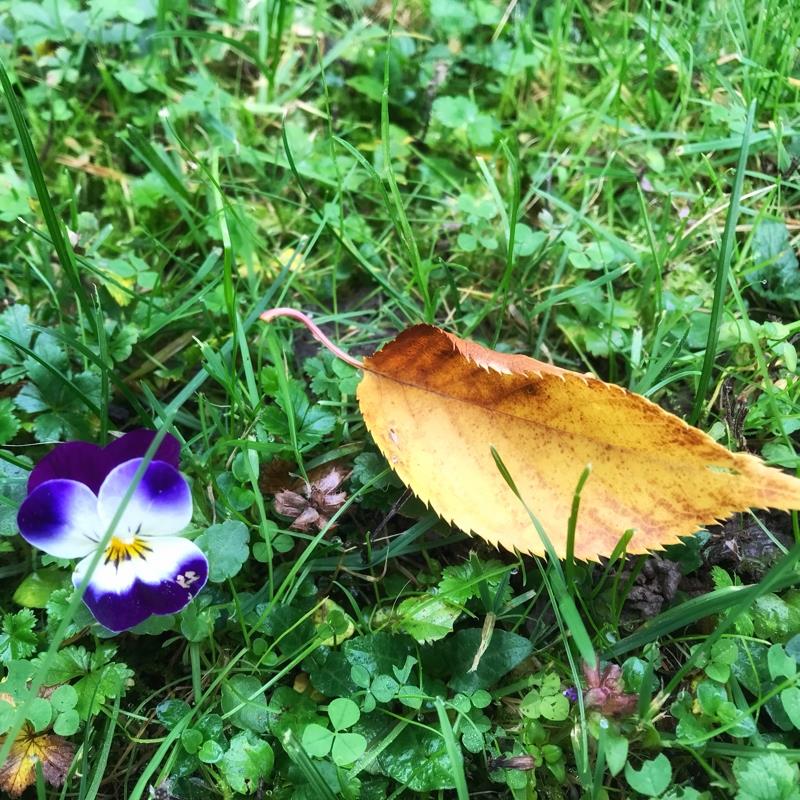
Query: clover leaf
[225, 544]
[63, 701]
[547, 701]
[248, 761]
[780, 663]
[317, 740]
[344, 748]
[652, 778]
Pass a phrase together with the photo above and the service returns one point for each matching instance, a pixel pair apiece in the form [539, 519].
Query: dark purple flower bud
[571, 694]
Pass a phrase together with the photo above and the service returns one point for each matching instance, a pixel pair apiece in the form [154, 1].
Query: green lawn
[612, 188]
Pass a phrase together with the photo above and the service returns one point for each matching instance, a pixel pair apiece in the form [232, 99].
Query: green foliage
[616, 748]
[717, 662]
[311, 422]
[96, 677]
[774, 619]
[344, 747]
[766, 776]
[58, 606]
[463, 117]
[652, 777]
[504, 652]
[37, 588]
[225, 544]
[475, 578]
[15, 336]
[244, 703]
[542, 178]
[247, 763]
[331, 378]
[709, 709]
[426, 618]
[55, 394]
[64, 700]
[371, 468]
[546, 701]
[776, 276]
[9, 424]
[54, 708]
[13, 480]
[418, 759]
[378, 653]
[18, 640]
[383, 688]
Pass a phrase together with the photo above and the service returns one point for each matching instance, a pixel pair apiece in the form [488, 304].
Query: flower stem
[274, 313]
[197, 677]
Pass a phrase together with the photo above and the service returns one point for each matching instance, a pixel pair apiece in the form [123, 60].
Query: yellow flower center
[119, 551]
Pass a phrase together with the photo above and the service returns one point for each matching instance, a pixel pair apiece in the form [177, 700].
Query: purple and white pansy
[146, 567]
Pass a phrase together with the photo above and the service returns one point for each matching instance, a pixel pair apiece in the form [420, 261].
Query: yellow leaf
[336, 621]
[19, 770]
[436, 404]
[120, 287]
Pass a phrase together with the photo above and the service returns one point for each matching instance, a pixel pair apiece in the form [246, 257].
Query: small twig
[396, 506]
[316, 332]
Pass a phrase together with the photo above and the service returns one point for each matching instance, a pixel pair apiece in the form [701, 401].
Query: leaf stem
[316, 332]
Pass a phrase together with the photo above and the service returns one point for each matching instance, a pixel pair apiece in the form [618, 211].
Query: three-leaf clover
[206, 739]
[717, 663]
[546, 701]
[344, 748]
[383, 688]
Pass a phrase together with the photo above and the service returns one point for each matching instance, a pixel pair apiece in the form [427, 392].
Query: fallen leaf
[435, 405]
[19, 770]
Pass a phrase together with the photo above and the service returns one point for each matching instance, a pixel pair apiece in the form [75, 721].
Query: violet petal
[75, 461]
[135, 445]
[89, 464]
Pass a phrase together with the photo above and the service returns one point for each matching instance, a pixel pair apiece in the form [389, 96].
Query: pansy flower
[146, 568]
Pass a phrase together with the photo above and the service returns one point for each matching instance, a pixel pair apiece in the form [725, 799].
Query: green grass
[612, 188]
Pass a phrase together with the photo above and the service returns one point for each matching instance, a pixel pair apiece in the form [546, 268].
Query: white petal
[161, 504]
[162, 580]
[60, 517]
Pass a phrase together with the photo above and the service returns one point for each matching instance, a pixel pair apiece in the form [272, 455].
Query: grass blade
[64, 252]
[723, 267]
[453, 751]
